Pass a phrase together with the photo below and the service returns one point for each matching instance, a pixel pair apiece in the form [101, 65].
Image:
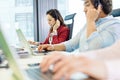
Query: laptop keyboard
[36, 52]
[36, 74]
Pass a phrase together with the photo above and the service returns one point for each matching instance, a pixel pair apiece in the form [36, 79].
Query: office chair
[115, 12]
[70, 25]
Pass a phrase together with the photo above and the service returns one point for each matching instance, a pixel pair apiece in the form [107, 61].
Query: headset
[56, 14]
[96, 3]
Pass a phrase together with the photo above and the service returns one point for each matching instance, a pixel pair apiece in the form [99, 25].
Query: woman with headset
[58, 32]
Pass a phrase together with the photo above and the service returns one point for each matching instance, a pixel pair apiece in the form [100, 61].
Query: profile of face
[51, 20]
[87, 5]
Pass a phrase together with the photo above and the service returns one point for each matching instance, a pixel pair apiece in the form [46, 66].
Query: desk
[6, 74]
[30, 60]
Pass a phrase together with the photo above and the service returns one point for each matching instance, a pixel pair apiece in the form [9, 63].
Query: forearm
[59, 47]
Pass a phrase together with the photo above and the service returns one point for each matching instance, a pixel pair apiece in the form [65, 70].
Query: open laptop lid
[23, 40]
[26, 45]
[12, 59]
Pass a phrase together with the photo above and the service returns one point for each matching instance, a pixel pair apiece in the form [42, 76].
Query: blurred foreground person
[103, 64]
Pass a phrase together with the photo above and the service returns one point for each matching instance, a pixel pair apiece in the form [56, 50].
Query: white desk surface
[30, 60]
[6, 74]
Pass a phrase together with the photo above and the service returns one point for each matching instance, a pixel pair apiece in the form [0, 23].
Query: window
[63, 7]
[25, 21]
[21, 11]
[70, 6]
[24, 16]
[23, 2]
[116, 4]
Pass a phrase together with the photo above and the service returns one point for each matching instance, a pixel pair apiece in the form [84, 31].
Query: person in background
[58, 32]
[102, 64]
[101, 29]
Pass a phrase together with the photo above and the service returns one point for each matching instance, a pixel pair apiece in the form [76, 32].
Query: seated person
[58, 32]
[101, 29]
[103, 64]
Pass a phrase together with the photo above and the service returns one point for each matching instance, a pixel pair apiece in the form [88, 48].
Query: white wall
[77, 7]
[116, 4]
[7, 18]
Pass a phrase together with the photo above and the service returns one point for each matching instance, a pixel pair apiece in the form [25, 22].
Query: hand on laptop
[66, 66]
[45, 47]
[50, 59]
[33, 42]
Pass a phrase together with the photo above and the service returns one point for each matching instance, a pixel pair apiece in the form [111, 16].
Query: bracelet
[53, 48]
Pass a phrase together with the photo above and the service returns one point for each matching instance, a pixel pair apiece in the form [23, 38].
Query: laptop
[26, 44]
[32, 73]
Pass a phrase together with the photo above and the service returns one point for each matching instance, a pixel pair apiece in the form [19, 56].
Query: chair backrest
[70, 23]
[115, 12]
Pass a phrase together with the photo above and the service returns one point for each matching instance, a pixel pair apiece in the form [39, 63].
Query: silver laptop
[23, 41]
[26, 45]
[18, 73]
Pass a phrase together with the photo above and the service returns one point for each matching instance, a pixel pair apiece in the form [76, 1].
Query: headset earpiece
[96, 3]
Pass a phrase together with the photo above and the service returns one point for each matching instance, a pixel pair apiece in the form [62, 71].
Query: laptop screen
[23, 41]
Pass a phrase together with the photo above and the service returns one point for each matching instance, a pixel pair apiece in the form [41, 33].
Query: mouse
[78, 76]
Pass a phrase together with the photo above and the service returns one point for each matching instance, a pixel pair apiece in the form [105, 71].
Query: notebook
[32, 73]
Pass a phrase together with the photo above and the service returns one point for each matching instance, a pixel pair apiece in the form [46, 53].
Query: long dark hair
[56, 15]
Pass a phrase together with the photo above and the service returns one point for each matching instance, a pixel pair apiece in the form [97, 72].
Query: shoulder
[108, 20]
[64, 27]
[106, 24]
